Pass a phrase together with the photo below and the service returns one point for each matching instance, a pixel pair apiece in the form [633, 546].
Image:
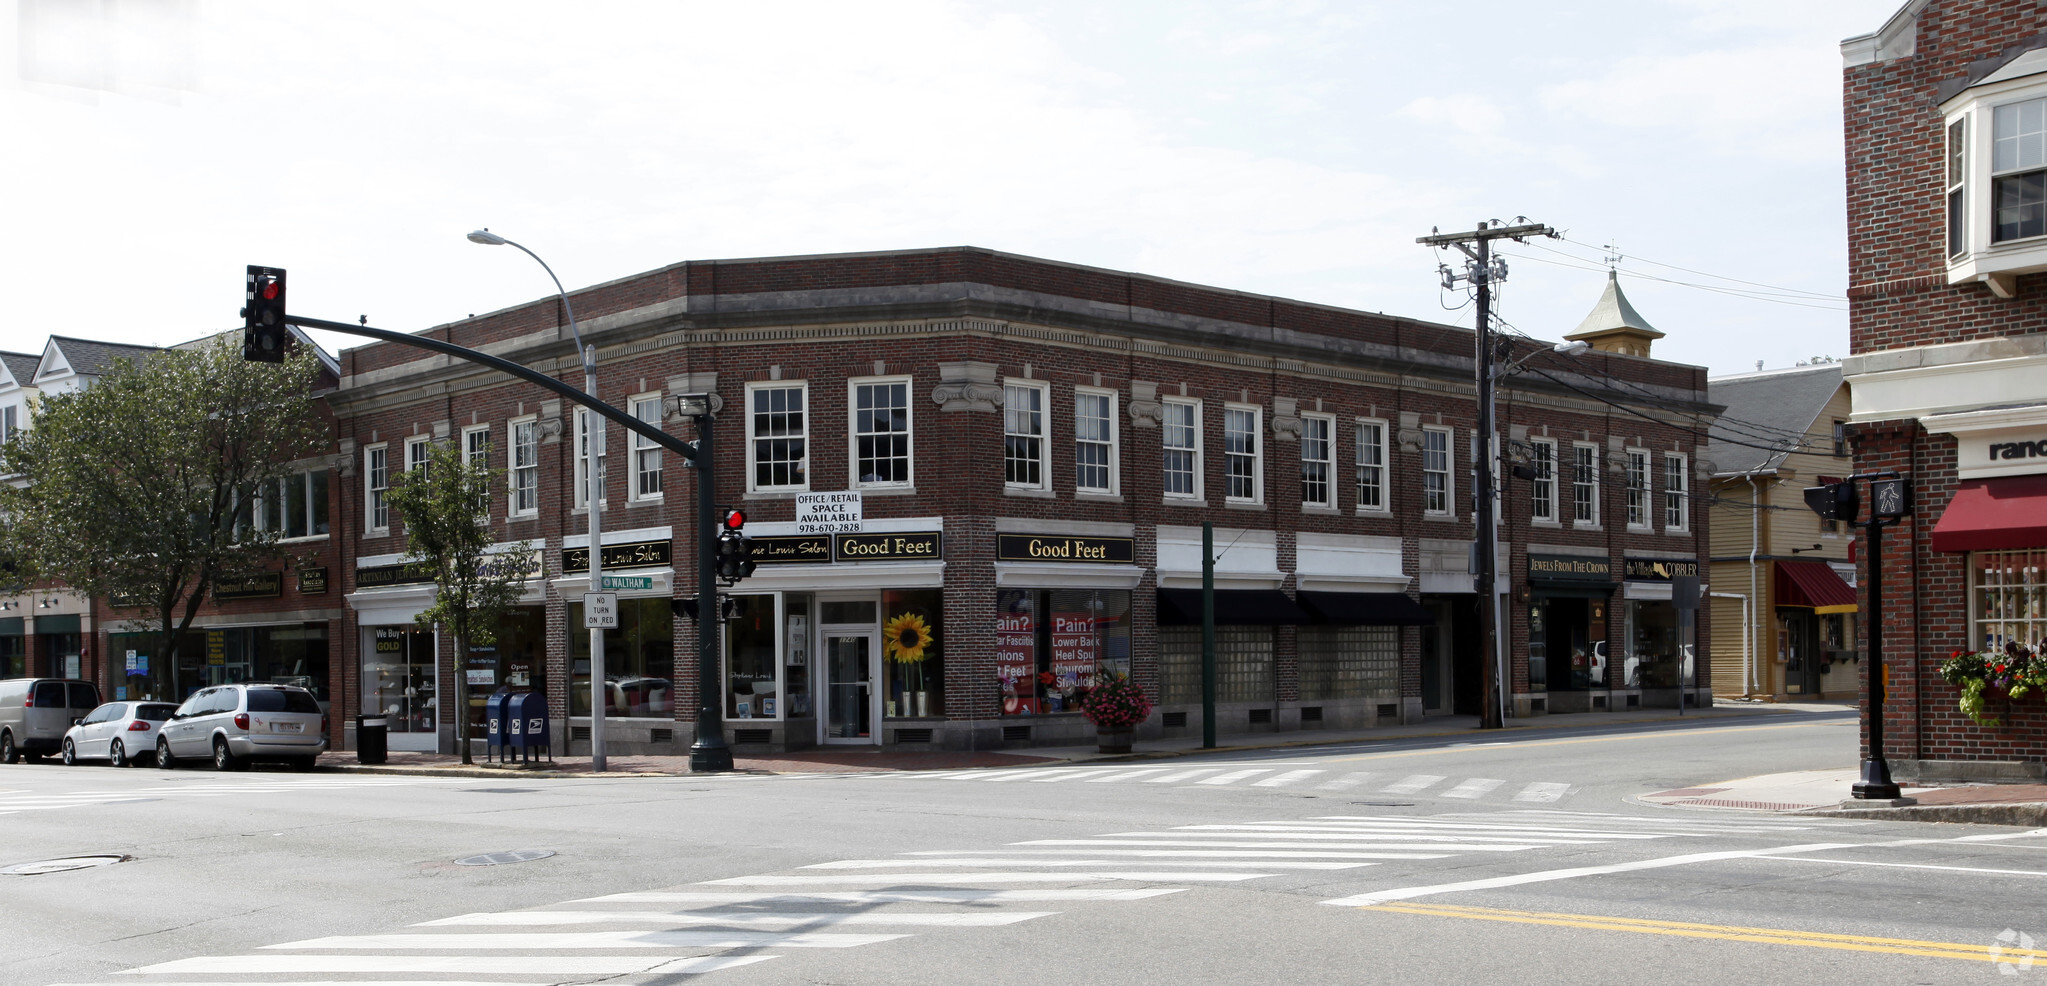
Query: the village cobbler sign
[1660, 569]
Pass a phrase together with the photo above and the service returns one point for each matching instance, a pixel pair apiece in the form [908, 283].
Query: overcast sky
[1288, 148]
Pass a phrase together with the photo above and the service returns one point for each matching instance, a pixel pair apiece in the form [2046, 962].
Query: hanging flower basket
[2014, 673]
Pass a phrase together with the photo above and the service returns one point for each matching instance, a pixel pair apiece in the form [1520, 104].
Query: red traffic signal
[263, 333]
[735, 519]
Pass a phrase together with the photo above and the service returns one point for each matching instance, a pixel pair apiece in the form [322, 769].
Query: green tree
[140, 489]
[445, 507]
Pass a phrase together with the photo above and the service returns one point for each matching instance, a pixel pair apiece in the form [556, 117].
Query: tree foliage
[445, 508]
[139, 489]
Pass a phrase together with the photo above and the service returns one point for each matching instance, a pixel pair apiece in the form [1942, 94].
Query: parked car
[239, 724]
[117, 732]
[36, 712]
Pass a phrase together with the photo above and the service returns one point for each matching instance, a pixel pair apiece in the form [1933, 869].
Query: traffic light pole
[709, 753]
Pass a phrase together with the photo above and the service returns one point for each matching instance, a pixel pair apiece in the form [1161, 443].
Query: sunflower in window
[905, 638]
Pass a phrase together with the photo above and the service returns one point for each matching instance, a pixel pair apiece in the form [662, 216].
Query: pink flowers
[1116, 703]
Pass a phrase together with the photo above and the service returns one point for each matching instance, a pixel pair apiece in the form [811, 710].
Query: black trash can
[371, 739]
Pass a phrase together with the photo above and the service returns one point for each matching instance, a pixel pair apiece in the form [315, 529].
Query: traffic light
[1834, 501]
[263, 331]
[735, 549]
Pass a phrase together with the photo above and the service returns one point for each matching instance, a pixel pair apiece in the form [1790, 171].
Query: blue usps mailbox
[527, 713]
[497, 726]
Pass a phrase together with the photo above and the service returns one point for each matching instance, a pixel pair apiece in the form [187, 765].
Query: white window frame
[1446, 473]
[271, 514]
[1589, 472]
[1112, 446]
[1256, 456]
[1193, 410]
[1640, 490]
[854, 434]
[2013, 586]
[1327, 424]
[472, 436]
[418, 450]
[1371, 455]
[646, 452]
[582, 465]
[1011, 391]
[799, 463]
[522, 467]
[10, 422]
[376, 481]
[1956, 161]
[1677, 493]
[1542, 490]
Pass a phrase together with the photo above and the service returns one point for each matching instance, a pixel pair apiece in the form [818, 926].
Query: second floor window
[294, 506]
[1638, 488]
[1542, 491]
[416, 450]
[1180, 440]
[1318, 461]
[376, 477]
[10, 422]
[1585, 485]
[1023, 436]
[2018, 168]
[1676, 509]
[1372, 465]
[646, 454]
[583, 460]
[524, 474]
[776, 430]
[1242, 477]
[1436, 490]
[1094, 442]
[881, 433]
[476, 447]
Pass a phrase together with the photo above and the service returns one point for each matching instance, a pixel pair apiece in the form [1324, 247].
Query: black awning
[1233, 607]
[1376, 609]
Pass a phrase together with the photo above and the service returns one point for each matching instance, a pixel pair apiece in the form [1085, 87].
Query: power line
[1731, 292]
[1701, 273]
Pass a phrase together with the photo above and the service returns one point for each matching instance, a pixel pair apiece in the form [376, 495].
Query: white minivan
[36, 712]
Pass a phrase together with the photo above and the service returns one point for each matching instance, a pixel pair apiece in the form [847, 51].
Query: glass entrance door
[399, 675]
[849, 693]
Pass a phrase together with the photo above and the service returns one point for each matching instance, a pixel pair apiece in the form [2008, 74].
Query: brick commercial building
[1036, 446]
[1946, 110]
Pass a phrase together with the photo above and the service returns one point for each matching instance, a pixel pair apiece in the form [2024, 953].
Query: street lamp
[600, 693]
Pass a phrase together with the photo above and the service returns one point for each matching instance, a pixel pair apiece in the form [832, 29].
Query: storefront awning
[1994, 514]
[1233, 607]
[1813, 584]
[1375, 609]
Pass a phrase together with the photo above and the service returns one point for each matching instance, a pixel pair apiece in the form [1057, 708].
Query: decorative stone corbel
[1410, 434]
[968, 385]
[1286, 419]
[343, 462]
[549, 422]
[443, 429]
[1145, 409]
[1616, 456]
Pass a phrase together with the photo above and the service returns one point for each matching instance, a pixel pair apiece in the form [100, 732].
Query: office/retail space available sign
[828, 513]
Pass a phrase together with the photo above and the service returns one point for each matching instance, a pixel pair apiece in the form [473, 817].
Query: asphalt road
[1399, 862]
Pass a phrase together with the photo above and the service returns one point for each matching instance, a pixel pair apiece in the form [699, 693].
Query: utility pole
[1482, 269]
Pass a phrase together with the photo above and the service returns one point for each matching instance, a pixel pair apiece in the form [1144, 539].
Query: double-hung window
[1437, 489]
[1023, 436]
[881, 433]
[1318, 461]
[417, 449]
[1243, 455]
[1371, 471]
[1638, 488]
[2018, 170]
[1180, 448]
[777, 453]
[1957, 200]
[294, 506]
[583, 461]
[1676, 499]
[10, 422]
[1094, 441]
[646, 452]
[1542, 490]
[376, 479]
[523, 475]
[476, 446]
[1584, 484]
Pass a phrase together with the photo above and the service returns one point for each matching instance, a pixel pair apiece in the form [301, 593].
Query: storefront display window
[912, 654]
[288, 654]
[2008, 598]
[514, 663]
[1052, 644]
[1350, 662]
[796, 655]
[13, 654]
[752, 691]
[1653, 643]
[398, 679]
[639, 661]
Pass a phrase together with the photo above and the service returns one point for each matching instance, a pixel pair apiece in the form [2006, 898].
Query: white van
[36, 712]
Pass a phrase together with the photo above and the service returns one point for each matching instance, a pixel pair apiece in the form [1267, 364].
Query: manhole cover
[60, 865]
[510, 856]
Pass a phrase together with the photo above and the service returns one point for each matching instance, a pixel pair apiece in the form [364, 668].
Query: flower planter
[1114, 739]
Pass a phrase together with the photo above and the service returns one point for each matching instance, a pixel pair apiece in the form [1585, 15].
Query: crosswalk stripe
[1346, 838]
[1282, 780]
[1177, 849]
[897, 879]
[739, 919]
[1343, 783]
[1168, 860]
[1412, 784]
[1125, 775]
[1181, 775]
[510, 965]
[1543, 792]
[975, 896]
[592, 939]
[1477, 787]
[1387, 849]
[1067, 775]
[1034, 773]
[1234, 776]
[1410, 830]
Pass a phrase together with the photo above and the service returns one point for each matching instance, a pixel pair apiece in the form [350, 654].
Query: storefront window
[1050, 645]
[2008, 598]
[512, 664]
[149, 678]
[398, 679]
[796, 657]
[752, 691]
[639, 661]
[1653, 643]
[287, 654]
[13, 654]
[912, 653]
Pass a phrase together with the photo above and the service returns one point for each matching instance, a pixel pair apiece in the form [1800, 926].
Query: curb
[2026, 815]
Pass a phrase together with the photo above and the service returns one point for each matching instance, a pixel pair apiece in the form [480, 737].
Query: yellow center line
[1686, 929]
[1631, 737]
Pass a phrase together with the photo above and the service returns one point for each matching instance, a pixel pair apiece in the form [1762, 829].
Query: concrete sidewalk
[1829, 793]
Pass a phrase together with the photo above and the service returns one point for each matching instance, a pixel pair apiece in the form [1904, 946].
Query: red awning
[1814, 584]
[1994, 514]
